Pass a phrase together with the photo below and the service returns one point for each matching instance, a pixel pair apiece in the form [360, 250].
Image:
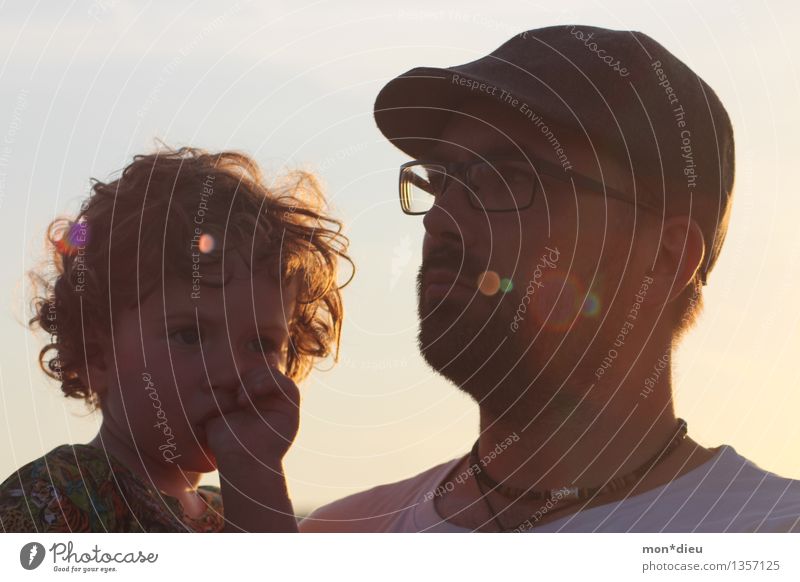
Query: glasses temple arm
[590, 184]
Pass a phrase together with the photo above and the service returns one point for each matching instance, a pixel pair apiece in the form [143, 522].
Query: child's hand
[249, 444]
[262, 429]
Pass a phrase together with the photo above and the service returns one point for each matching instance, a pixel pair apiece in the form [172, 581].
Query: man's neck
[574, 433]
[576, 449]
[584, 430]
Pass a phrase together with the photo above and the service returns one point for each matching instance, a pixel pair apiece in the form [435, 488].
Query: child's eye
[262, 345]
[188, 336]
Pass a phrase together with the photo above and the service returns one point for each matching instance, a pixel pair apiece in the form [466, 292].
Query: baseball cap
[634, 100]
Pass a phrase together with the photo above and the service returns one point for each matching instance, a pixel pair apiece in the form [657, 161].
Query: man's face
[559, 262]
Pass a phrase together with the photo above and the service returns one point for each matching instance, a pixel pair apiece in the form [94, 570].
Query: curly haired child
[185, 301]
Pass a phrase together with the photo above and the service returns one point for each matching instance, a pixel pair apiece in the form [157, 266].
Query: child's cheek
[191, 377]
[162, 405]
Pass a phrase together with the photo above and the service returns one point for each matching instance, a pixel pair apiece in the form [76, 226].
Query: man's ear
[680, 255]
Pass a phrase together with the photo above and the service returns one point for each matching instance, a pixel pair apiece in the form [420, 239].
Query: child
[188, 297]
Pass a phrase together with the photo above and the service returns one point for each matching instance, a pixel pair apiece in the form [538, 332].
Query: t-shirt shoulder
[728, 493]
[752, 499]
[376, 509]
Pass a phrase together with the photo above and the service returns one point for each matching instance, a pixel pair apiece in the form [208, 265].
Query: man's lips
[446, 282]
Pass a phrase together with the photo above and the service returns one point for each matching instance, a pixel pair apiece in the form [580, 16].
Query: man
[576, 187]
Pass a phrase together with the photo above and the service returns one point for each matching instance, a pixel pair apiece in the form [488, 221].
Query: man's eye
[436, 179]
[186, 337]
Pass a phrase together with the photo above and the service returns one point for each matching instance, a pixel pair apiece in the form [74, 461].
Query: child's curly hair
[143, 226]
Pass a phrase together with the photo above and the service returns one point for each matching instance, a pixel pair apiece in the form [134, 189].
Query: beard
[470, 342]
[511, 371]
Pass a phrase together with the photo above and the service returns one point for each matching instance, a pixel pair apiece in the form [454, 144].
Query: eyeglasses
[499, 185]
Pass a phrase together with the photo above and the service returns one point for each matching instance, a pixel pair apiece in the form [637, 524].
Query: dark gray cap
[633, 99]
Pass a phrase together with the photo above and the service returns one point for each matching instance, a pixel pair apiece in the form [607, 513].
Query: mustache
[452, 259]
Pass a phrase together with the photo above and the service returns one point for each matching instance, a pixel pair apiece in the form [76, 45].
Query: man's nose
[449, 217]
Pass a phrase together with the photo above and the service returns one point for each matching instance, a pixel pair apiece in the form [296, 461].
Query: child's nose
[227, 371]
[227, 383]
[231, 379]
[226, 376]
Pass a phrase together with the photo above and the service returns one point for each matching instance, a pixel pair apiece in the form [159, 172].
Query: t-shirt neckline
[431, 519]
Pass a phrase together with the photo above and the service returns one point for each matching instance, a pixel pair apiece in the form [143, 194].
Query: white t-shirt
[727, 493]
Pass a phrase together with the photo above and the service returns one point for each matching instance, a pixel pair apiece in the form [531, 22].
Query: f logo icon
[31, 555]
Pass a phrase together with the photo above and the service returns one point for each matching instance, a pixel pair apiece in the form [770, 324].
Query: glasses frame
[460, 169]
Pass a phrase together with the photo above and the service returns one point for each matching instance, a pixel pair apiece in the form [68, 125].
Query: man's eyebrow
[517, 153]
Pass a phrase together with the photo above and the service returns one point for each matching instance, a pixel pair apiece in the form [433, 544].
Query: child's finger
[268, 383]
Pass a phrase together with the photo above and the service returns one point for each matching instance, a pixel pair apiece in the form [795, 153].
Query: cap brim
[412, 110]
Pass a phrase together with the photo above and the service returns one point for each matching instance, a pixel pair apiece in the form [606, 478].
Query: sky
[85, 85]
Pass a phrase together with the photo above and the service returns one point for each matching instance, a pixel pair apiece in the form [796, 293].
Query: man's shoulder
[376, 509]
[734, 494]
[773, 501]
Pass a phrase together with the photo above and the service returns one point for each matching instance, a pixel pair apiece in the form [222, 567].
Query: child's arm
[255, 498]
[249, 445]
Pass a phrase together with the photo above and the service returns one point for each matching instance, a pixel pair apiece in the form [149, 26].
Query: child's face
[168, 378]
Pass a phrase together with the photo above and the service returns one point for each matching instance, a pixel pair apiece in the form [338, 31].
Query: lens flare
[489, 283]
[591, 307]
[206, 243]
[75, 238]
[558, 300]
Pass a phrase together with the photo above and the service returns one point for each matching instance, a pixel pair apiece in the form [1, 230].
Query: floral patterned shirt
[80, 488]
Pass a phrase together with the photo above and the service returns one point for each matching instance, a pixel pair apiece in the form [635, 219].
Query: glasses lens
[502, 185]
[419, 186]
